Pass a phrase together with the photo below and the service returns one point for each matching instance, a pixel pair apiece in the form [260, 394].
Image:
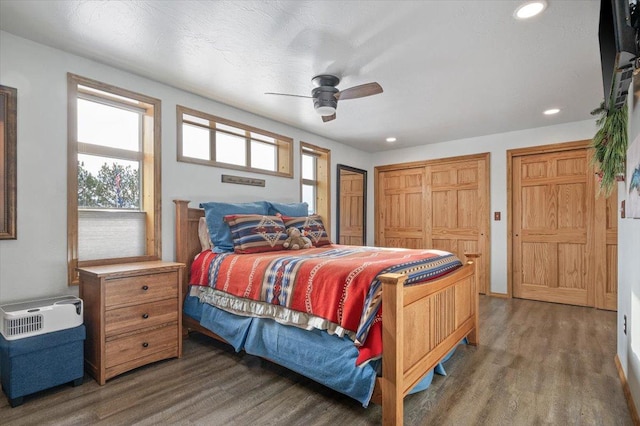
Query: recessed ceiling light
[530, 9]
[391, 139]
[552, 111]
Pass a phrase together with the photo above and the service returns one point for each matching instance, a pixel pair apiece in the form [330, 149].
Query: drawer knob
[145, 316]
[145, 287]
[145, 345]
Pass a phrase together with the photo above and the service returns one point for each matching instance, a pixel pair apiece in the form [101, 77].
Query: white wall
[629, 281]
[34, 265]
[497, 145]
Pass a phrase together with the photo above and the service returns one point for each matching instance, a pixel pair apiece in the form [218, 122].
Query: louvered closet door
[401, 208]
[553, 219]
[457, 218]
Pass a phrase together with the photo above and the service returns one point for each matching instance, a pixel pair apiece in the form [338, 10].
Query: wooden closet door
[441, 204]
[351, 208]
[457, 213]
[606, 262]
[401, 208]
[552, 218]
[564, 234]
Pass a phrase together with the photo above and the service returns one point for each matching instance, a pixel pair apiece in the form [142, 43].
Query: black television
[618, 48]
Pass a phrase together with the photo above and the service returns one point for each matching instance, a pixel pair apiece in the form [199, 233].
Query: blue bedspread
[324, 358]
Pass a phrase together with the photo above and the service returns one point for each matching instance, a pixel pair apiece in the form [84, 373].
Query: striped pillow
[312, 227]
[256, 233]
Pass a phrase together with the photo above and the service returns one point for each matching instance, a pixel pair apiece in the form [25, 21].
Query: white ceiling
[449, 69]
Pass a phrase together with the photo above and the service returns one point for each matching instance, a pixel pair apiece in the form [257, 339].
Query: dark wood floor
[538, 364]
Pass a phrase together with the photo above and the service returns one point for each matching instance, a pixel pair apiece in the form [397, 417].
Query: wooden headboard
[187, 241]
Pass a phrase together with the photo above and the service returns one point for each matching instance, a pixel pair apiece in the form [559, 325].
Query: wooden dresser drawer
[140, 289]
[124, 350]
[131, 318]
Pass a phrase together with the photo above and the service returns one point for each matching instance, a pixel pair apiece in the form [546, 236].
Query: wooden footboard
[421, 323]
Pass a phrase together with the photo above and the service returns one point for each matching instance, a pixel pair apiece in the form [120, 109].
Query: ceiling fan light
[326, 110]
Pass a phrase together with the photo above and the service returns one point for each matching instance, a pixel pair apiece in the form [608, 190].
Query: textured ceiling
[449, 69]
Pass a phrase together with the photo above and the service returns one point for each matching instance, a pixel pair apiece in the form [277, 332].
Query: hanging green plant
[610, 145]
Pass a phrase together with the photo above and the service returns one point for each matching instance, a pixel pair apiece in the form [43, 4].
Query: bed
[447, 306]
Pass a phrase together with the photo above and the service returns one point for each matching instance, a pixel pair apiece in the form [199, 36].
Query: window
[214, 141]
[315, 180]
[114, 175]
[309, 181]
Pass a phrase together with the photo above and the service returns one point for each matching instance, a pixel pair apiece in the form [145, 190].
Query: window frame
[283, 144]
[322, 181]
[149, 157]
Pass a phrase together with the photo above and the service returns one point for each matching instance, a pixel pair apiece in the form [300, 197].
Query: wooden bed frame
[447, 306]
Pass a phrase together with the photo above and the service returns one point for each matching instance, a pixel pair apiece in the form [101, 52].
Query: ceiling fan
[326, 95]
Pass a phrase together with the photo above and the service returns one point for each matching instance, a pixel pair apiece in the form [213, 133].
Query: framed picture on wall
[633, 179]
[8, 135]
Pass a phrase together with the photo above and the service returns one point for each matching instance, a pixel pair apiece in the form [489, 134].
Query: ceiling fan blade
[287, 94]
[359, 91]
[326, 118]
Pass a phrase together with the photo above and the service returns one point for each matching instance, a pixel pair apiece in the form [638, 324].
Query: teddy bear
[296, 240]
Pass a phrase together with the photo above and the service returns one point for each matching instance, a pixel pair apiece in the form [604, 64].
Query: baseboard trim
[500, 295]
[627, 393]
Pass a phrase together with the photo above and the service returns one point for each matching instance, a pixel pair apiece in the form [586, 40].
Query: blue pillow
[291, 209]
[214, 213]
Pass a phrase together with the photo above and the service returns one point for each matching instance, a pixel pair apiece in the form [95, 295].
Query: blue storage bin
[41, 362]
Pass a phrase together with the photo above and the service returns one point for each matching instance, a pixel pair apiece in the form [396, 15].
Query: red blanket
[332, 288]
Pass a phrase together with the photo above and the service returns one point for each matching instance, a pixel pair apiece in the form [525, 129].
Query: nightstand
[132, 313]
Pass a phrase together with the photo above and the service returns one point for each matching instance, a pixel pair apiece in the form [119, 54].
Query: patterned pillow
[256, 233]
[311, 227]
